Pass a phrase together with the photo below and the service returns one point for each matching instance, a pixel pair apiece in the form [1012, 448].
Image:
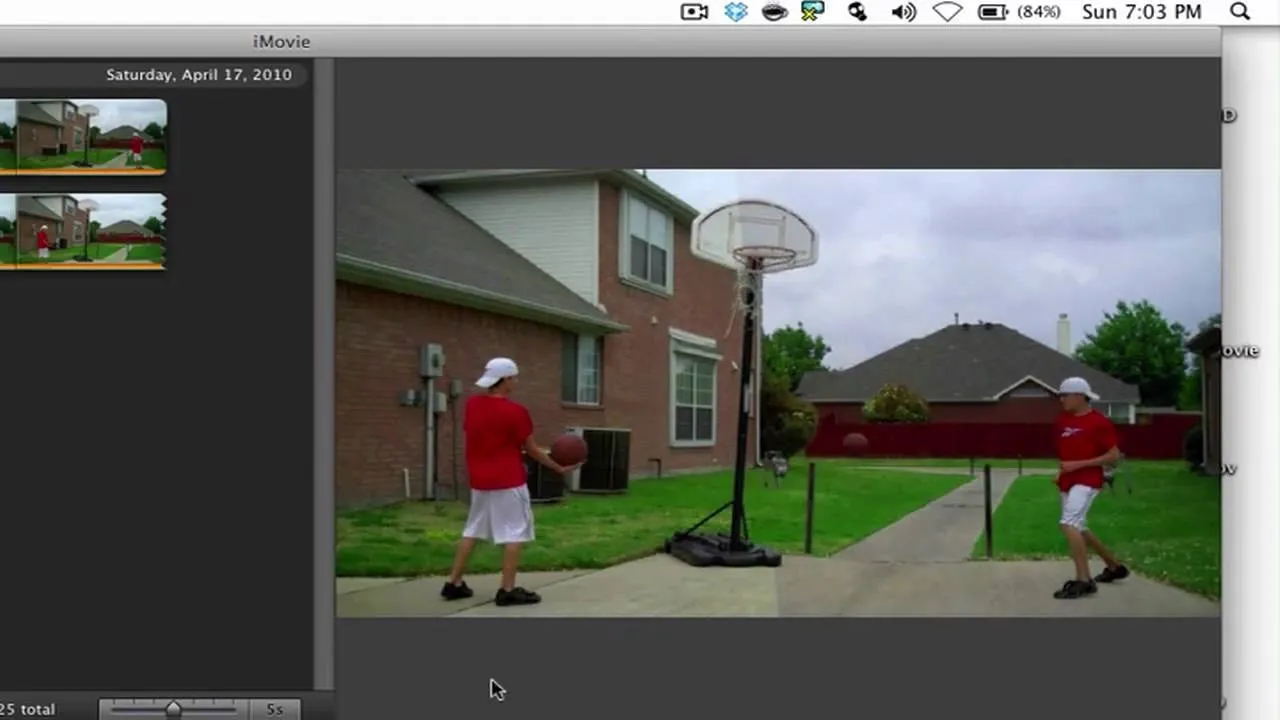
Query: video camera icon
[694, 11]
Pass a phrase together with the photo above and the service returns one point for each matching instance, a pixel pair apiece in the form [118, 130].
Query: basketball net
[747, 289]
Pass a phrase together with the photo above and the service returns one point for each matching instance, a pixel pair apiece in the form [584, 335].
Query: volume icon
[905, 12]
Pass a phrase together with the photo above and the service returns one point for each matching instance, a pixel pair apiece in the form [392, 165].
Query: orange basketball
[856, 442]
[568, 449]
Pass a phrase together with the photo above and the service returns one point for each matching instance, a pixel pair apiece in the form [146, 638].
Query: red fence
[122, 239]
[6, 144]
[123, 144]
[1160, 440]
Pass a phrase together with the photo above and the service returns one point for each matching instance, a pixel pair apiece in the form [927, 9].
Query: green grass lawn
[97, 251]
[1169, 528]
[581, 532]
[154, 159]
[153, 252]
[8, 159]
[1001, 463]
[8, 254]
[96, 156]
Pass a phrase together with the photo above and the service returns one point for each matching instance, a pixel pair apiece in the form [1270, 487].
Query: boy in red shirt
[498, 431]
[42, 242]
[1086, 442]
[135, 150]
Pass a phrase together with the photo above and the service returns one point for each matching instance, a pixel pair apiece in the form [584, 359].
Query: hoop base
[716, 550]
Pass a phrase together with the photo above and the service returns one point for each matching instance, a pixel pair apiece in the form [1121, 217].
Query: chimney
[1064, 334]
[957, 318]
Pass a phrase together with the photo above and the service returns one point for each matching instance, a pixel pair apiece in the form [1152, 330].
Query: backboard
[735, 232]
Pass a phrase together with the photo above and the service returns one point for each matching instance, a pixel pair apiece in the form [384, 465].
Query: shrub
[786, 422]
[897, 404]
[1193, 447]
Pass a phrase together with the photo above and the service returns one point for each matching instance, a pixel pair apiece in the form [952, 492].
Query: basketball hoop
[755, 238]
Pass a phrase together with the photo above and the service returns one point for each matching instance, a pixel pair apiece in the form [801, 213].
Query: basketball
[855, 442]
[569, 450]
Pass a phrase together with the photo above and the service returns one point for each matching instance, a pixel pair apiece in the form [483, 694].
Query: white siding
[554, 225]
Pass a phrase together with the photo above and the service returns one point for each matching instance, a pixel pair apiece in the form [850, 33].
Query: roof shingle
[961, 363]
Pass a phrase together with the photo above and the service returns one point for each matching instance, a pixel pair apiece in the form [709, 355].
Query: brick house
[50, 127]
[971, 373]
[127, 232]
[585, 278]
[68, 221]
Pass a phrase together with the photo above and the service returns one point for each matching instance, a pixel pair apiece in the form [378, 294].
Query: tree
[154, 131]
[155, 225]
[1189, 397]
[94, 226]
[790, 352]
[786, 422]
[1136, 344]
[896, 403]
[6, 226]
[6, 131]
[94, 133]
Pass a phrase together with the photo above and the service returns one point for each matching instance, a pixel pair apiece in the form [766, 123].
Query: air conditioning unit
[544, 485]
[608, 466]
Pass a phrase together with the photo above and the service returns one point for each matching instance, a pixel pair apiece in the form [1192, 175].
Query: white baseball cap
[1077, 386]
[497, 369]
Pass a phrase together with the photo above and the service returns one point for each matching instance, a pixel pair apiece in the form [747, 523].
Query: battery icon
[993, 12]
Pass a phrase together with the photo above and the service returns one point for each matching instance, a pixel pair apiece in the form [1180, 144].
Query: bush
[1193, 447]
[896, 403]
[786, 422]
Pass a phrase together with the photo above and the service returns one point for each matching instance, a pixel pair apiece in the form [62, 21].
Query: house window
[581, 369]
[70, 207]
[77, 232]
[647, 243]
[69, 113]
[1118, 413]
[78, 139]
[694, 399]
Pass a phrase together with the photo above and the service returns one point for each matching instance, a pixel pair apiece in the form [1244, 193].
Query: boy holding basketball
[498, 430]
[1086, 442]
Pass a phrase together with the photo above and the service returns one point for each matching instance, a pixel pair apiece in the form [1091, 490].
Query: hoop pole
[737, 539]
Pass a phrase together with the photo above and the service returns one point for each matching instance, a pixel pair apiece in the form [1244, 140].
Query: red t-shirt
[42, 240]
[135, 145]
[1083, 437]
[496, 429]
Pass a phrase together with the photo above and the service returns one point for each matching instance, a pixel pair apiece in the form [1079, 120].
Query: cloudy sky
[902, 252]
[114, 207]
[138, 113]
[8, 205]
[9, 112]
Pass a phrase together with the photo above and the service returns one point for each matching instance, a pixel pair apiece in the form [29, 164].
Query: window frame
[698, 355]
[627, 236]
[571, 362]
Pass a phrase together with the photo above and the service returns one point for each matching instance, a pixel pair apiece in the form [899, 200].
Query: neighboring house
[585, 278]
[50, 127]
[1208, 345]
[971, 373]
[68, 222]
[127, 232]
[126, 132]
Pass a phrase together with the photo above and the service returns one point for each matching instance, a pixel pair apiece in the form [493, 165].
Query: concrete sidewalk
[942, 531]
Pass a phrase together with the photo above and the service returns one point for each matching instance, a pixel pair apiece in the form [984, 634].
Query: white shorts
[1075, 506]
[137, 157]
[503, 516]
[42, 252]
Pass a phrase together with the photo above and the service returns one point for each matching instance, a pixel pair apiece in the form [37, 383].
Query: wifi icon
[905, 12]
[948, 10]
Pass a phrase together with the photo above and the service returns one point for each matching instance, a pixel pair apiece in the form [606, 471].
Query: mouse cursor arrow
[496, 691]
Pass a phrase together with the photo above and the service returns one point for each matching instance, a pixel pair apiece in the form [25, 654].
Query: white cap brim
[487, 381]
